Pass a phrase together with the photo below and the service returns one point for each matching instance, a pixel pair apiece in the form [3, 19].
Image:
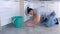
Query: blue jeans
[43, 20]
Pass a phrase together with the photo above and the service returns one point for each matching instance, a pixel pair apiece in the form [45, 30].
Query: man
[34, 15]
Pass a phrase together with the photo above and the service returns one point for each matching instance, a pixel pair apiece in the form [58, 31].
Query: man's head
[30, 11]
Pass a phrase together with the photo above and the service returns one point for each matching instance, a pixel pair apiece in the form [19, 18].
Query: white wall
[7, 10]
[51, 5]
[58, 9]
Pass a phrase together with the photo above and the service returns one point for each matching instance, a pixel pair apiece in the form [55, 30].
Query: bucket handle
[13, 20]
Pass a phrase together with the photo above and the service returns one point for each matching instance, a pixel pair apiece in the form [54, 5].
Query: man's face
[31, 12]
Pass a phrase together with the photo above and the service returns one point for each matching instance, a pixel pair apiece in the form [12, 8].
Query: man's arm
[37, 19]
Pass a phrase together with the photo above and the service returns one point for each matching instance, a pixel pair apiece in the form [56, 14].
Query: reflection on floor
[31, 30]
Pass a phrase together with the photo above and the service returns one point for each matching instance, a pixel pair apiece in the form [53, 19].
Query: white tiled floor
[32, 30]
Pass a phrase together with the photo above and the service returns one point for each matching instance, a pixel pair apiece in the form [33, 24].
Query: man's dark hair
[29, 10]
